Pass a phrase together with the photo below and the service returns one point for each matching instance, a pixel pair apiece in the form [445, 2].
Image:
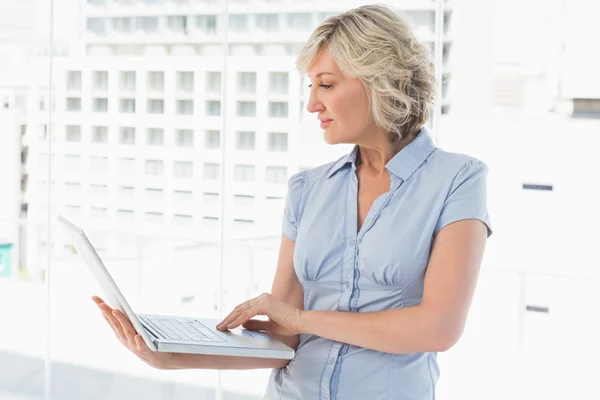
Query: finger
[243, 317]
[128, 329]
[116, 328]
[141, 345]
[97, 300]
[258, 325]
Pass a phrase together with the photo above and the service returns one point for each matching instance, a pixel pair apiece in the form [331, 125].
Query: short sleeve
[292, 205]
[467, 198]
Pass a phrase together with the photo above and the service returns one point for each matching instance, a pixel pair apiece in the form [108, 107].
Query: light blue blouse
[381, 267]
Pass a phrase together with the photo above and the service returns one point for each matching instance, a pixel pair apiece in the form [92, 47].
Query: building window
[244, 173]
[277, 175]
[122, 25]
[210, 199]
[278, 82]
[185, 107]
[73, 133]
[155, 168]
[125, 215]
[184, 138]
[127, 80]
[155, 195]
[278, 109]
[183, 197]
[126, 166]
[96, 26]
[185, 81]
[100, 80]
[245, 141]
[301, 22]
[98, 212]
[153, 217]
[72, 189]
[99, 190]
[267, 22]
[277, 141]
[72, 211]
[213, 82]
[246, 109]
[72, 162]
[127, 135]
[238, 23]
[155, 137]
[156, 106]
[177, 24]
[207, 24]
[99, 134]
[156, 81]
[183, 169]
[210, 223]
[243, 200]
[98, 164]
[100, 104]
[246, 82]
[242, 223]
[212, 140]
[73, 104]
[212, 171]
[183, 220]
[147, 24]
[127, 106]
[74, 80]
[213, 108]
[125, 193]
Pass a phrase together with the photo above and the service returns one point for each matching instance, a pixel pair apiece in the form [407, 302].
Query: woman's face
[341, 102]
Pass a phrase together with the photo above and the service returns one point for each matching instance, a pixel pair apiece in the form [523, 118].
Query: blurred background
[168, 129]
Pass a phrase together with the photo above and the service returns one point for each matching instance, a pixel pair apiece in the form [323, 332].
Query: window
[98, 164]
[126, 166]
[278, 82]
[177, 24]
[100, 104]
[243, 200]
[245, 141]
[100, 80]
[185, 81]
[147, 24]
[207, 24]
[183, 220]
[73, 104]
[125, 193]
[155, 137]
[99, 134]
[98, 212]
[242, 223]
[213, 108]
[238, 23]
[156, 106]
[185, 107]
[127, 106]
[183, 169]
[210, 223]
[125, 215]
[127, 80]
[43, 132]
[154, 195]
[244, 173]
[122, 25]
[96, 26]
[154, 168]
[72, 162]
[183, 197]
[156, 81]
[99, 190]
[246, 109]
[72, 189]
[154, 217]
[277, 175]
[278, 109]
[267, 22]
[127, 135]
[277, 141]
[74, 80]
[212, 171]
[73, 133]
[72, 211]
[210, 199]
[184, 138]
[212, 140]
[213, 82]
[300, 22]
[246, 82]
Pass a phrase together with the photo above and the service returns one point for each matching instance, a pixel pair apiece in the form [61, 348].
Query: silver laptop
[178, 334]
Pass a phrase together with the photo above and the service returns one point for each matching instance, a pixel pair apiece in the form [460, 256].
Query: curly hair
[375, 45]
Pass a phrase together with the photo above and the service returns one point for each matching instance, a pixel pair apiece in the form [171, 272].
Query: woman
[381, 249]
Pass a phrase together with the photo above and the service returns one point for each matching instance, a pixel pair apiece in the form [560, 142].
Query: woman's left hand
[284, 318]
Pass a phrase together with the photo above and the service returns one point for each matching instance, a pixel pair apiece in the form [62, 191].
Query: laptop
[177, 334]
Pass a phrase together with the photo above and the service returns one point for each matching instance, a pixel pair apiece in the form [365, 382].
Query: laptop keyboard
[181, 329]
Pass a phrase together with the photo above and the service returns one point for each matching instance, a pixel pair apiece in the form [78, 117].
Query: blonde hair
[376, 46]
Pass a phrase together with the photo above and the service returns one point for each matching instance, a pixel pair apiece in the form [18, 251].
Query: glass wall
[168, 129]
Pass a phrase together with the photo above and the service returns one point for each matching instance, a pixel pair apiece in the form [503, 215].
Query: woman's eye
[325, 86]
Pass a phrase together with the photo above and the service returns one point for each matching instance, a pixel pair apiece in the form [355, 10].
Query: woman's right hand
[127, 335]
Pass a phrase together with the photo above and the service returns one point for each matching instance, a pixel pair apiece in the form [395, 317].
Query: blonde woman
[380, 249]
